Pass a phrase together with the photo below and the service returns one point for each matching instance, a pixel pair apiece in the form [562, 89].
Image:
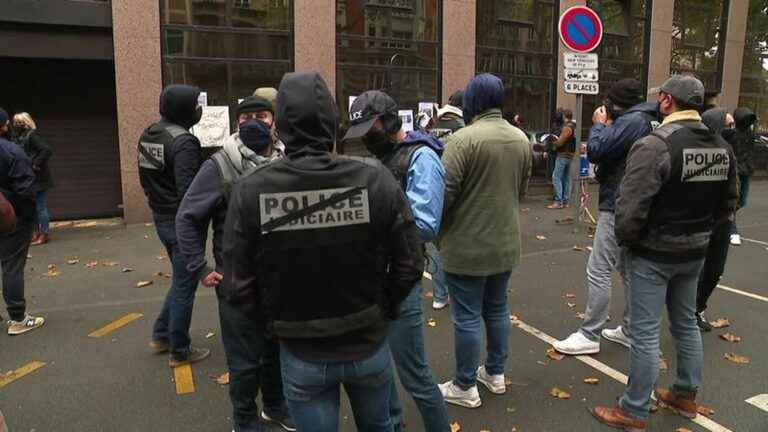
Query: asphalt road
[113, 383]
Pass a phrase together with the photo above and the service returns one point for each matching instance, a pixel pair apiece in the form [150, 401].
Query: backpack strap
[663, 132]
[176, 131]
[227, 171]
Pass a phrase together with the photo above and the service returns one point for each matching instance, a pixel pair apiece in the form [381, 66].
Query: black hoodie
[166, 185]
[328, 282]
[744, 140]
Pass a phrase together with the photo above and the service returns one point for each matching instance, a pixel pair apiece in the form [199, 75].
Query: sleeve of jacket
[456, 163]
[186, 162]
[608, 144]
[7, 215]
[240, 276]
[648, 168]
[404, 249]
[730, 202]
[425, 192]
[527, 169]
[40, 149]
[194, 216]
[22, 177]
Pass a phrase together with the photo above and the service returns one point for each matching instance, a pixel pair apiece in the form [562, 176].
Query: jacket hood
[178, 105]
[649, 108]
[306, 113]
[416, 137]
[449, 109]
[483, 93]
[714, 119]
[744, 118]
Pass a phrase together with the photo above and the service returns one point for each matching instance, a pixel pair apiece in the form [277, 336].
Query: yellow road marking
[114, 325]
[7, 378]
[185, 383]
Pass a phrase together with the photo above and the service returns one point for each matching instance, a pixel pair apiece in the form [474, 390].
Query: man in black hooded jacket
[323, 249]
[744, 146]
[169, 156]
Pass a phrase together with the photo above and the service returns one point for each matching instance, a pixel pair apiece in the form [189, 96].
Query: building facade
[91, 71]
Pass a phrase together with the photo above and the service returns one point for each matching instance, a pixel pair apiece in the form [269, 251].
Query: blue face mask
[256, 135]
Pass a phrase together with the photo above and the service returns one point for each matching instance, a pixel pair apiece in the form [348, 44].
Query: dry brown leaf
[705, 411]
[730, 337]
[146, 237]
[455, 427]
[541, 237]
[431, 322]
[51, 267]
[160, 257]
[484, 430]
[73, 261]
[127, 270]
[514, 318]
[511, 410]
[147, 224]
[210, 335]
[571, 305]
[52, 273]
[663, 365]
[163, 274]
[144, 284]
[570, 295]
[554, 355]
[222, 379]
[109, 263]
[92, 264]
[578, 249]
[735, 358]
[682, 429]
[559, 393]
[514, 429]
[580, 315]
[721, 323]
[592, 381]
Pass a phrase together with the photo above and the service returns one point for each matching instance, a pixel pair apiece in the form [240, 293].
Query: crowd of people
[351, 237]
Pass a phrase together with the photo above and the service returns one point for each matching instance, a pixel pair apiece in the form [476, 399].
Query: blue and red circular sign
[581, 29]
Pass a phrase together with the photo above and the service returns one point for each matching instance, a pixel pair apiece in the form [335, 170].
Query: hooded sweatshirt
[350, 274]
[744, 140]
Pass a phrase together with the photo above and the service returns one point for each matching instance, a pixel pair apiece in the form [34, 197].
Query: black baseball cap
[685, 88]
[366, 109]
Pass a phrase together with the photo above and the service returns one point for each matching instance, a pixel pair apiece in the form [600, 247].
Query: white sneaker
[29, 323]
[496, 384]
[437, 305]
[577, 344]
[616, 335]
[736, 239]
[454, 395]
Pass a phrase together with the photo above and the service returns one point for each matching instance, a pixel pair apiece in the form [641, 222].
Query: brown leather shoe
[683, 404]
[615, 417]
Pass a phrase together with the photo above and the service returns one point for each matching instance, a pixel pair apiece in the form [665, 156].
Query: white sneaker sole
[24, 330]
[490, 387]
[282, 425]
[439, 307]
[583, 351]
[620, 341]
[464, 403]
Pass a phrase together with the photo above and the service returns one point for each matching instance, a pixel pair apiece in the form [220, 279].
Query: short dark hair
[567, 113]
[683, 106]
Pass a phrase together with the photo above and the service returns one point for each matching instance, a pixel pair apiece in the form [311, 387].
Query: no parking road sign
[580, 29]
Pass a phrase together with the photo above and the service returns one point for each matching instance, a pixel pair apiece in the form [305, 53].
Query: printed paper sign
[407, 117]
[351, 101]
[202, 99]
[427, 107]
[213, 129]
[581, 87]
[354, 210]
[705, 165]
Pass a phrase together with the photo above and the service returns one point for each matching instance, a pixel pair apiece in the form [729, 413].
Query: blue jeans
[254, 364]
[653, 284]
[312, 390]
[439, 290]
[478, 299]
[561, 178]
[176, 315]
[43, 217]
[406, 341]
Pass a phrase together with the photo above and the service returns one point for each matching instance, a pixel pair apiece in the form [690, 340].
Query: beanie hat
[626, 93]
[254, 104]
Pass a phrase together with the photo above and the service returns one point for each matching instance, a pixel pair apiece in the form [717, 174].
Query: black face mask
[378, 143]
[256, 135]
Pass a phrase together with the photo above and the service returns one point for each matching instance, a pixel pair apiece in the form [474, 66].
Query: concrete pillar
[564, 99]
[734, 53]
[138, 83]
[315, 38]
[660, 57]
[459, 45]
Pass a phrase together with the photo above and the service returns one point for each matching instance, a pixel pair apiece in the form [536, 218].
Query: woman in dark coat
[40, 152]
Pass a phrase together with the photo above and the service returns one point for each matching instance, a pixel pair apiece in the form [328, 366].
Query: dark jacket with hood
[174, 153]
[40, 152]
[744, 140]
[608, 147]
[17, 181]
[326, 282]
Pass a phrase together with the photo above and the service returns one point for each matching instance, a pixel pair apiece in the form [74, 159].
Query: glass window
[754, 72]
[388, 45]
[228, 48]
[623, 51]
[698, 38]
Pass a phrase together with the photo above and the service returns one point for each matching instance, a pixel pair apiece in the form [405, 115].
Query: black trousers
[13, 258]
[714, 264]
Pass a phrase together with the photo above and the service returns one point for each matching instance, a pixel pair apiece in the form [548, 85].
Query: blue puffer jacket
[425, 187]
[608, 147]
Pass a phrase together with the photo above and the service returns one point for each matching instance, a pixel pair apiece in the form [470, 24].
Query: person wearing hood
[169, 156]
[617, 125]
[449, 117]
[744, 145]
[488, 164]
[720, 122]
[40, 152]
[253, 357]
[17, 184]
[322, 249]
[414, 160]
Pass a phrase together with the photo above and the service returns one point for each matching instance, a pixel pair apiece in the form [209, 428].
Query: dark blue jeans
[312, 390]
[254, 364]
[439, 290]
[406, 341]
[176, 315]
[43, 217]
[14, 247]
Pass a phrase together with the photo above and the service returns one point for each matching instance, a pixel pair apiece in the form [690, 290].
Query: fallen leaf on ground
[567, 220]
[484, 430]
[143, 284]
[29, 256]
[592, 381]
[515, 319]
[147, 224]
[735, 358]
[580, 315]
[52, 273]
[705, 411]
[222, 379]
[721, 323]
[455, 427]
[554, 355]
[570, 295]
[578, 248]
[73, 261]
[163, 274]
[146, 237]
[160, 257]
[682, 429]
[730, 337]
[429, 295]
[541, 237]
[559, 393]
[431, 322]
[92, 264]
[541, 362]
[51, 266]
[109, 264]
[210, 335]
[663, 366]
[525, 210]
[511, 410]
[514, 429]
[571, 305]
[127, 270]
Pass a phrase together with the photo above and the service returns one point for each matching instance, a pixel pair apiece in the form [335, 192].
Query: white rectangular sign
[580, 61]
[582, 87]
[354, 210]
[213, 128]
[588, 75]
[407, 117]
[202, 99]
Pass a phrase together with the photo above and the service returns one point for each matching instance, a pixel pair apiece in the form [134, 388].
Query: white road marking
[760, 401]
[755, 241]
[700, 420]
[744, 293]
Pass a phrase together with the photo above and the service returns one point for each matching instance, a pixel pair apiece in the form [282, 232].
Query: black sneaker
[702, 322]
[193, 356]
[282, 420]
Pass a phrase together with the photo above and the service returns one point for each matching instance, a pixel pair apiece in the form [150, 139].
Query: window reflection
[696, 40]
[264, 14]
[754, 73]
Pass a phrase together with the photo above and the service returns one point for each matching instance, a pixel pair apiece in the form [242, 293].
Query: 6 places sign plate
[582, 87]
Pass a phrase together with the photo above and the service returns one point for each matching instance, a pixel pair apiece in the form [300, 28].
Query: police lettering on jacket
[353, 210]
[705, 164]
